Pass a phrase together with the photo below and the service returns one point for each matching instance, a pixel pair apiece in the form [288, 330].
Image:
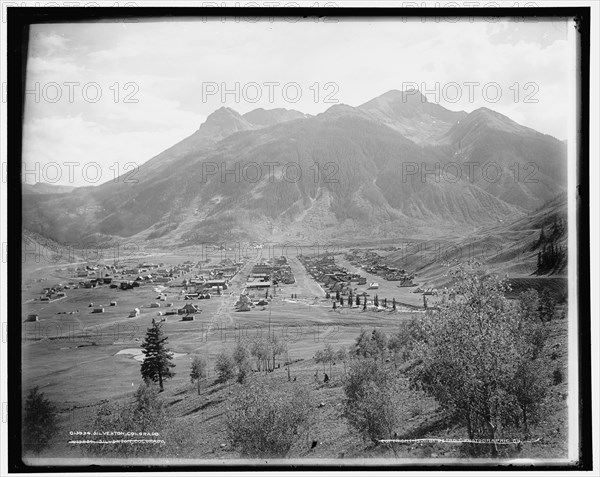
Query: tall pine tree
[157, 357]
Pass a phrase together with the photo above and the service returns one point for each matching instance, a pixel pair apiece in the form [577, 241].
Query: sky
[103, 98]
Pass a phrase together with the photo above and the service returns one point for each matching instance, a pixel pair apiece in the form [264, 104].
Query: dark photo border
[19, 20]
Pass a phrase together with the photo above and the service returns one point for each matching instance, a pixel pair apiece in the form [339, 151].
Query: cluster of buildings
[213, 281]
[371, 262]
[245, 303]
[269, 273]
[53, 293]
[263, 276]
[334, 277]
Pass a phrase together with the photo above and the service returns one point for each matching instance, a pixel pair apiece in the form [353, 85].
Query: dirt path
[307, 284]
[228, 299]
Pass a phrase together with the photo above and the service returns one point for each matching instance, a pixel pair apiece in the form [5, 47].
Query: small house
[113, 303]
[135, 312]
[98, 310]
[154, 305]
[188, 308]
[33, 317]
[188, 318]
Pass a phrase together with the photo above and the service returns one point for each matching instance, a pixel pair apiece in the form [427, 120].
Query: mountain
[512, 162]
[409, 113]
[509, 248]
[43, 188]
[356, 172]
[267, 117]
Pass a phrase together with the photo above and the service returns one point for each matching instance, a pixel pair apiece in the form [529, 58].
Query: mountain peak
[221, 113]
[343, 110]
[223, 122]
[498, 121]
[409, 96]
[267, 117]
[409, 113]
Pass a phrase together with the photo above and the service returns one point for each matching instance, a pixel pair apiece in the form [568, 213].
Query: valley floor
[75, 361]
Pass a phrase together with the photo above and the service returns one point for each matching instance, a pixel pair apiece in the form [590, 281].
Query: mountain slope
[43, 188]
[510, 161]
[277, 175]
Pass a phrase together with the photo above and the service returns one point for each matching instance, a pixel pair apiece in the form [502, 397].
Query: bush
[240, 357]
[371, 345]
[146, 413]
[371, 400]
[557, 376]
[401, 343]
[198, 371]
[225, 367]
[265, 422]
[39, 421]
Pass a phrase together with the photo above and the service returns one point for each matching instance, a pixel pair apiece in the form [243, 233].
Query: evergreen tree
[394, 304]
[337, 295]
[342, 300]
[157, 357]
[39, 421]
[376, 301]
[357, 300]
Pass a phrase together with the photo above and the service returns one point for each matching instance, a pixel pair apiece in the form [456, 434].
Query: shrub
[371, 400]
[145, 413]
[557, 376]
[263, 421]
[198, 370]
[402, 342]
[225, 367]
[371, 345]
[326, 356]
[240, 357]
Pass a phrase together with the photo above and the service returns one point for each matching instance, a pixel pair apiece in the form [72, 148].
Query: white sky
[169, 62]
